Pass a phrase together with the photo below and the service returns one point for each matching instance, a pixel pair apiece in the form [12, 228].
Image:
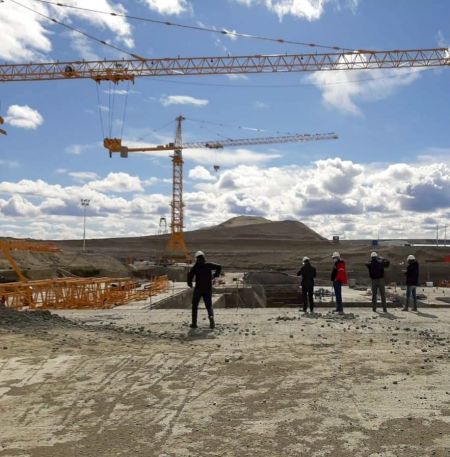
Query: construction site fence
[78, 293]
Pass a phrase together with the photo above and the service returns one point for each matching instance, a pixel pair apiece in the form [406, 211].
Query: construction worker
[338, 277]
[308, 273]
[376, 268]
[202, 274]
[412, 281]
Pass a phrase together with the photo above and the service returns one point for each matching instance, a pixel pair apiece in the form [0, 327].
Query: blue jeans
[337, 286]
[411, 291]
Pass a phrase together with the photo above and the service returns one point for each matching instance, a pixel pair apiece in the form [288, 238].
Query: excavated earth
[266, 382]
[239, 244]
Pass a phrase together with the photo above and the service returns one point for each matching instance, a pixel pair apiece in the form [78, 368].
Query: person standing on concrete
[376, 268]
[308, 273]
[202, 274]
[338, 277]
[412, 281]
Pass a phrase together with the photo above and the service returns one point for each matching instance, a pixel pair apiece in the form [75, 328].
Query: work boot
[305, 310]
[415, 308]
[212, 324]
[384, 309]
[405, 308]
[374, 309]
[193, 325]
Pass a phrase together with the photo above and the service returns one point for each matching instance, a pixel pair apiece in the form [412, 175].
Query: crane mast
[176, 247]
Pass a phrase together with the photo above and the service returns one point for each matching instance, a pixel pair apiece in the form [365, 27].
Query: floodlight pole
[84, 203]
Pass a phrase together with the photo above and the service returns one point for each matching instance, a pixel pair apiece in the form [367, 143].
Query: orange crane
[176, 246]
[129, 69]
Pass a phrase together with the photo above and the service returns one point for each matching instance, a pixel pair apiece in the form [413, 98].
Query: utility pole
[437, 235]
[84, 203]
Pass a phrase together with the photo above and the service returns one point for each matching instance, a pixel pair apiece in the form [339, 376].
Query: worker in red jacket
[338, 277]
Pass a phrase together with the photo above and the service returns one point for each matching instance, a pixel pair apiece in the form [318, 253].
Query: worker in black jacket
[308, 273]
[412, 281]
[202, 274]
[376, 268]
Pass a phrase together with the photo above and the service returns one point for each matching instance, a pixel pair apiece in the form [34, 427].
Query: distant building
[335, 238]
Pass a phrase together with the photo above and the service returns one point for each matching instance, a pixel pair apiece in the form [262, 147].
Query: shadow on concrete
[429, 316]
[200, 333]
[390, 316]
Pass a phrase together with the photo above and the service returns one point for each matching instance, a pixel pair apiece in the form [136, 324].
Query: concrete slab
[266, 382]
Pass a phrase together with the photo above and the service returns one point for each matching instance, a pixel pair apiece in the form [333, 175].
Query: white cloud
[83, 175]
[200, 173]
[342, 90]
[310, 10]
[78, 149]
[9, 163]
[82, 46]
[27, 36]
[183, 100]
[235, 76]
[117, 182]
[332, 196]
[260, 105]
[23, 117]
[174, 7]
[228, 158]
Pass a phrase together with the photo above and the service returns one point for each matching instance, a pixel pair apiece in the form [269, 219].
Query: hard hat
[336, 255]
[410, 257]
[199, 254]
[374, 254]
[305, 259]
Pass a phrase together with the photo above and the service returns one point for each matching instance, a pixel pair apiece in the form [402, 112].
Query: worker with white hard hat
[308, 273]
[338, 278]
[202, 273]
[412, 281]
[376, 268]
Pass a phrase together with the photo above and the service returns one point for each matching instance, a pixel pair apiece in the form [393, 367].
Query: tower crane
[116, 71]
[176, 246]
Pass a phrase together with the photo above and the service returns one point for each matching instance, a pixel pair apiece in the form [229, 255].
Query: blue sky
[389, 170]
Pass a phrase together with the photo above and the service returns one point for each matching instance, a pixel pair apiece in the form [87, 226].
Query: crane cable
[81, 32]
[239, 127]
[198, 28]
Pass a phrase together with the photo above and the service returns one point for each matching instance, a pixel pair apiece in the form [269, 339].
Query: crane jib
[128, 70]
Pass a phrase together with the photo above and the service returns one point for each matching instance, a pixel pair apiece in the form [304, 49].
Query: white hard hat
[199, 254]
[410, 257]
[336, 255]
[305, 258]
[374, 254]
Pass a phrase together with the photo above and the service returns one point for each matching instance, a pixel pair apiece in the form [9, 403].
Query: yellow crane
[176, 247]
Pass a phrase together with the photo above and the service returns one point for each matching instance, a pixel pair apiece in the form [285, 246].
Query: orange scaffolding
[78, 293]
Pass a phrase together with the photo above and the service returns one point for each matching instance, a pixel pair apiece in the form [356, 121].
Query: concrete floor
[266, 382]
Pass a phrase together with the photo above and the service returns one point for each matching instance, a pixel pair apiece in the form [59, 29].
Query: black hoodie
[412, 273]
[201, 272]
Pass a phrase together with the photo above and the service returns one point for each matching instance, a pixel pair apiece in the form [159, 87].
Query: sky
[387, 175]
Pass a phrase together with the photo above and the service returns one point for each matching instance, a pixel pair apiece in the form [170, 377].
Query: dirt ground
[265, 382]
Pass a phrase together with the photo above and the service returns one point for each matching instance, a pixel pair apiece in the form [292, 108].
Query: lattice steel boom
[122, 70]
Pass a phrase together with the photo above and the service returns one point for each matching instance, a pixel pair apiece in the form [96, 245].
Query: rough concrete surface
[265, 382]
